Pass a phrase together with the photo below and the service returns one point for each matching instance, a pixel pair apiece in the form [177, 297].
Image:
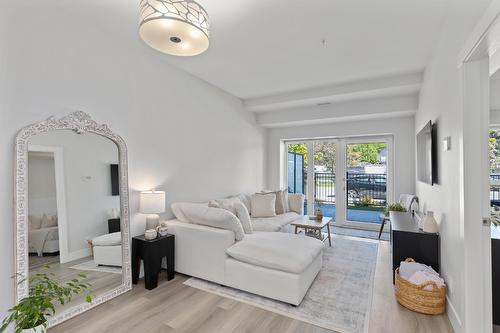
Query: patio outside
[366, 178]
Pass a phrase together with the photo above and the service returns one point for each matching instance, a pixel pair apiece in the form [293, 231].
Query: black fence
[495, 190]
[363, 189]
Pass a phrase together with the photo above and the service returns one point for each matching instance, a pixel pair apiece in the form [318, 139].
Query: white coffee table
[313, 228]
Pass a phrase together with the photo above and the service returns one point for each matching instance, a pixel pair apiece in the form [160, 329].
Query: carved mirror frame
[80, 123]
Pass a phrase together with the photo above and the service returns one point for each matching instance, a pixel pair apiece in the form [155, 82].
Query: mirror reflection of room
[73, 210]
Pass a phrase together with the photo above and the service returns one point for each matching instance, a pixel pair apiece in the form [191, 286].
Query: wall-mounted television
[115, 183]
[426, 154]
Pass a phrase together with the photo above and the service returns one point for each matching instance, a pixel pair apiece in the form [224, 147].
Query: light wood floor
[174, 307]
[99, 281]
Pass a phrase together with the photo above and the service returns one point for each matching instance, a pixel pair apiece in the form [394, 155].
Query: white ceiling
[263, 48]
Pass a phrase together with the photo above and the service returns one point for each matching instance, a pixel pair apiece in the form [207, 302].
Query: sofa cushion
[263, 205]
[112, 239]
[275, 250]
[228, 203]
[244, 217]
[180, 208]
[275, 223]
[211, 217]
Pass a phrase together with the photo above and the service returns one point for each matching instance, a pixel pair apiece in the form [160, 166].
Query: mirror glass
[74, 210]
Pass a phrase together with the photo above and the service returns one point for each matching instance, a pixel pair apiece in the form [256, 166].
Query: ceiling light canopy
[177, 27]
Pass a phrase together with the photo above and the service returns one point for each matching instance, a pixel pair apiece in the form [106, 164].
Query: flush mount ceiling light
[174, 27]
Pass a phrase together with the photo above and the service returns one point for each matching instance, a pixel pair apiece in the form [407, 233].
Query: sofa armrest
[200, 251]
[296, 202]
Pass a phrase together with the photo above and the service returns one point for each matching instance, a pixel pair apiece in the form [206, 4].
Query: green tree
[324, 153]
[368, 153]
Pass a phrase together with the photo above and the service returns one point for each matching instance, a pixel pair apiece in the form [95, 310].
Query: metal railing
[495, 189]
[363, 189]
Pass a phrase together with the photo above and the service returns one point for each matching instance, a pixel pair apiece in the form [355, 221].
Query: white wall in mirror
[87, 183]
[42, 190]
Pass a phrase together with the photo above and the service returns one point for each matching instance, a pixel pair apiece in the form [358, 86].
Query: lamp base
[152, 221]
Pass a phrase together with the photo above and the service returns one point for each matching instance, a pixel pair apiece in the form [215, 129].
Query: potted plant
[45, 291]
[394, 207]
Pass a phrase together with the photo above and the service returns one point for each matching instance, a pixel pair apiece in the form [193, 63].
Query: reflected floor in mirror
[100, 278]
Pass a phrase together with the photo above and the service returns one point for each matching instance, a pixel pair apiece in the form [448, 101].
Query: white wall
[87, 180]
[440, 102]
[400, 128]
[42, 185]
[183, 135]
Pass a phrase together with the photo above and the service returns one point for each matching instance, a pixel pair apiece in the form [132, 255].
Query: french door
[349, 179]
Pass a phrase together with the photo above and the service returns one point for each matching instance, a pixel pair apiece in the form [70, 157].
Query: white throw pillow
[263, 205]
[34, 222]
[212, 217]
[244, 217]
[245, 199]
[228, 203]
[48, 221]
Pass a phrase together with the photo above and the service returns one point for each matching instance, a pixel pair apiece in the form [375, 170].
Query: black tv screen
[426, 170]
[115, 184]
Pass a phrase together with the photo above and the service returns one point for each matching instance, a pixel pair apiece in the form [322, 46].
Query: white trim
[483, 41]
[474, 196]
[453, 316]
[62, 218]
[78, 254]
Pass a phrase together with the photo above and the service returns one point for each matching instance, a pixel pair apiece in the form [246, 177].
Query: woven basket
[416, 298]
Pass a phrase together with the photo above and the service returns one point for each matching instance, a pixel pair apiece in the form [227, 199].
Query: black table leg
[381, 228]
[170, 259]
[151, 273]
[136, 263]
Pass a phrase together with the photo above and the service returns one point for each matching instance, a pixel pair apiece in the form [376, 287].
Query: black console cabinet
[407, 241]
[495, 263]
[152, 253]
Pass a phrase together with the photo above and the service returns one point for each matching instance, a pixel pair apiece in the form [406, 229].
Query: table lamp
[152, 203]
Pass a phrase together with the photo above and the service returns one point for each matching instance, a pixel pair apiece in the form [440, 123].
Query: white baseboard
[75, 255]
[453, 316]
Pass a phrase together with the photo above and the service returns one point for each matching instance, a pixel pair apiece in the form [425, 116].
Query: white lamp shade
[152, 202]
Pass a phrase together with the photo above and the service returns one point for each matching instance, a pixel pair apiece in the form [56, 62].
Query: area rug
[359, 233]
[340, 296]
[91, 266]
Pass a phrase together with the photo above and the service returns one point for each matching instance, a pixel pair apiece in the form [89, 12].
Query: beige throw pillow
[263, 205]
[34, 222]
[280, 206]
[48, 221]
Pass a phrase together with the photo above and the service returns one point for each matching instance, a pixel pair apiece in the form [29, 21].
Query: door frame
[389, 141]
[341, 167]
[474, 66]
[62, 225]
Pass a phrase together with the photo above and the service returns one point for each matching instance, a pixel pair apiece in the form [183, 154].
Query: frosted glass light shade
[177, 27]
[152, 202]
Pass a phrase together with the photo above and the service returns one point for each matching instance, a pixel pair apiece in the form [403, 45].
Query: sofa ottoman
[281, 266]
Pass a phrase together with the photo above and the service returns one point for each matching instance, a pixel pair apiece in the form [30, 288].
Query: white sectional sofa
[282, 222]
[107, 249]
[273, 264]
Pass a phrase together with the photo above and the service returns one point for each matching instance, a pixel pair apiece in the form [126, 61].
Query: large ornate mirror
[72, 216]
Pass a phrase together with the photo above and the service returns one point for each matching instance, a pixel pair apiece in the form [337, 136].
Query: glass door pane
[297, 169]
[324, 177]
[366, 181]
